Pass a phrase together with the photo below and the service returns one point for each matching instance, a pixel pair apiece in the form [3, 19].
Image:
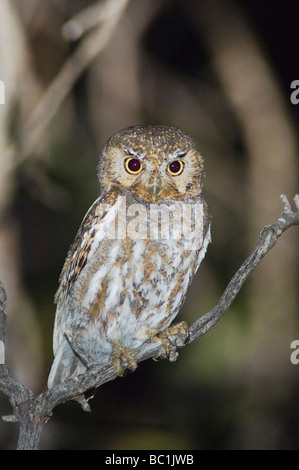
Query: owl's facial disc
[152, 164]
[155, 178]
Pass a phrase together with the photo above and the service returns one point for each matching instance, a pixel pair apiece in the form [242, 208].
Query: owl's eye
[133, 166]
[175, 168]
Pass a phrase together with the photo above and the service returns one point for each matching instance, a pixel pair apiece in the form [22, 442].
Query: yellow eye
[133, 166]
[175, 168]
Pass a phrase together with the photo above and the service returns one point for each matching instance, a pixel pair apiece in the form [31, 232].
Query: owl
[128, 270]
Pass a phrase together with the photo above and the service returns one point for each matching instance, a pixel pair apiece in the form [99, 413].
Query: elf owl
[127, 273]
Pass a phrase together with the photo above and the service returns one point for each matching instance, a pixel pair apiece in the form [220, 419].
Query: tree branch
[32, 411]
[268, 238]
[3, 317]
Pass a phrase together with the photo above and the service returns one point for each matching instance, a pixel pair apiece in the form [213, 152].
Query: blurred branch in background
[109, 14]
[24, 346]
[117, 78]
[107, 11]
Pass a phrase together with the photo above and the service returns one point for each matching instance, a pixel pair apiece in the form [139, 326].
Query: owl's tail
[65, 365]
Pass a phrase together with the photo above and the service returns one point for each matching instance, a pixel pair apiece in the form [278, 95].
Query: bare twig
[31, 411]
[3, 299]
[268, 238]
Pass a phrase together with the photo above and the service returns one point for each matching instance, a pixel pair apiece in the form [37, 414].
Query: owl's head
[152, 163]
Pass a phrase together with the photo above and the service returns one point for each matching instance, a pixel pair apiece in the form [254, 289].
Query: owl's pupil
[134, 165]
[175, 167]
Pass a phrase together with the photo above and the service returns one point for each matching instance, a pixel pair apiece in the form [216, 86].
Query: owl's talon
[173, 337]
[83, 402]
[123, 359]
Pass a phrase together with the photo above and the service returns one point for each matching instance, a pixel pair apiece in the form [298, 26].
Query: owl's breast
[139, 281]
[133, 282]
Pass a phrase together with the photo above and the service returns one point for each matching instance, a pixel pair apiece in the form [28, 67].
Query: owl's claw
[83, 402]
[173, 337]
[123, 359]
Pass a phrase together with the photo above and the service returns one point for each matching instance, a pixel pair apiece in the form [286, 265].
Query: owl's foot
[173, 337]
[123, 359]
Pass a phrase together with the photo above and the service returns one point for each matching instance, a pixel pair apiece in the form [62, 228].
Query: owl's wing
[94, 225]
[92, 232]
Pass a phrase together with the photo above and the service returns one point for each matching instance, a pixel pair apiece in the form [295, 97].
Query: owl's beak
[154, 186]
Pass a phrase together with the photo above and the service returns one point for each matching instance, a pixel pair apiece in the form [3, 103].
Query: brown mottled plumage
[128, 271]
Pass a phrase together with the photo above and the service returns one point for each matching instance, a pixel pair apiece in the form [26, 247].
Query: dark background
[222, 72]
